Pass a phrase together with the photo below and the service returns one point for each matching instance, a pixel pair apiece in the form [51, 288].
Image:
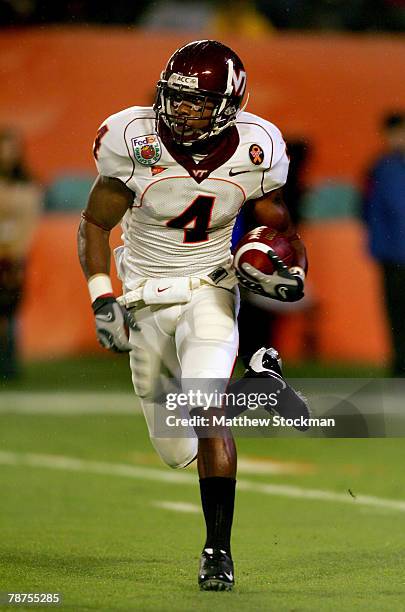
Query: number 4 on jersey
[199, 211]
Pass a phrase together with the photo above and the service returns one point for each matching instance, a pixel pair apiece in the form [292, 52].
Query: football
[253, 248]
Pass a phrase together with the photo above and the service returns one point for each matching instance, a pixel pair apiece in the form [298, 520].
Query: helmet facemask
[208, 113]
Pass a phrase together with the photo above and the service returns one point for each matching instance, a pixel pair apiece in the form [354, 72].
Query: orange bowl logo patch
[147, 149]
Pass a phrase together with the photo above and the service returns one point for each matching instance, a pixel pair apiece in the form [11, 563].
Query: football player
[175, 175]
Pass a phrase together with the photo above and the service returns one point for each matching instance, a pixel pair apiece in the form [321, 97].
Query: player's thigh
[154, 352]
[207, 334]
[155, 367]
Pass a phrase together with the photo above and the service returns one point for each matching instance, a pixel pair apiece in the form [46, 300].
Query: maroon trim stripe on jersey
[272, 149]
[126, 144]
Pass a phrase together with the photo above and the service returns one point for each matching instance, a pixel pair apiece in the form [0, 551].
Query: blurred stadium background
[325, 87]
[325, 72]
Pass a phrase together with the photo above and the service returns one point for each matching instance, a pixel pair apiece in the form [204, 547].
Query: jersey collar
[217, 153]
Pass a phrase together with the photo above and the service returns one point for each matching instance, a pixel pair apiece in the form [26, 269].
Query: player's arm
[108, 201]
[285, 284]
[272, 211]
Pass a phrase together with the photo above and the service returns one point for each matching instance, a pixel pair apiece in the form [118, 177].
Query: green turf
[100, 540]
[111, 373]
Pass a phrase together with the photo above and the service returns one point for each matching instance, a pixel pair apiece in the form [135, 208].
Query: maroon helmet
[210, 79]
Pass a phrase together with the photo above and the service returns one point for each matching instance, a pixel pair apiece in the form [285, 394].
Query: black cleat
[265, 363]
[216, 570]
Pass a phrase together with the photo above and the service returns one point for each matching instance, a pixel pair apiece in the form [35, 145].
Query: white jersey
[184, 210]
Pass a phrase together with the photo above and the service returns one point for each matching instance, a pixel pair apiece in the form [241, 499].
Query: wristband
[99, 284]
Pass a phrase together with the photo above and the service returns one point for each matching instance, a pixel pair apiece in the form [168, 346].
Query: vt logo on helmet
[200, 92]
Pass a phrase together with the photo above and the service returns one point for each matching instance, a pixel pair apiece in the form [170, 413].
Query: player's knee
[184, 462]
[177, 453]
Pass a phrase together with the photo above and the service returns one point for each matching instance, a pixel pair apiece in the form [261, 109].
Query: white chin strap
[245, 105]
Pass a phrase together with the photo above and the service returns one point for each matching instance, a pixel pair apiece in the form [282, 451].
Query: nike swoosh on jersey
[232, 173]
[165, 289]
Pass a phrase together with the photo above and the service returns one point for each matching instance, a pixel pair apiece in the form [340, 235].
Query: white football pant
[198, 339]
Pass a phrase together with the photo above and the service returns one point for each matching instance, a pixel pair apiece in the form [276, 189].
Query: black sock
[218, 500]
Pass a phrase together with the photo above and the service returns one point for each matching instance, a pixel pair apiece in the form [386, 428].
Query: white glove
[112, 324]
[284, 284]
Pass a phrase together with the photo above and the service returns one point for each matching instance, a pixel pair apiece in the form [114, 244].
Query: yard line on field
[177, 506]
[68, 403]
[320, 495]
[58, 462]
[126, 402]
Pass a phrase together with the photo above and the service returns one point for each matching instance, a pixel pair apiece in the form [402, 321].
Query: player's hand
[284, 284]
[112, 324]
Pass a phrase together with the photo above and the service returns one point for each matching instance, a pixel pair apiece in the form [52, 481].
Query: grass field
[88, 510]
